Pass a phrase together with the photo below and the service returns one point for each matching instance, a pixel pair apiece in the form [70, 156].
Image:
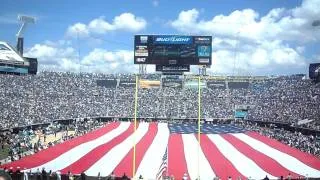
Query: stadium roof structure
[9, 55]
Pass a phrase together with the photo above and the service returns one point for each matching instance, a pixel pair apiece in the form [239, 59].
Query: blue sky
[258, 36]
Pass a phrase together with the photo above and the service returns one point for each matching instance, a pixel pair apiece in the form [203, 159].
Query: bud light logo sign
[172, 40]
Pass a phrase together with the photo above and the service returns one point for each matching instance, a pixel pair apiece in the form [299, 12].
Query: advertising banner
[194, 84]
[216, 84]
[238, 85]
[172, 83]
[108, 83]
[149, 84]
[175, 68]
[240, 114]
[166, 39]
[127, 83]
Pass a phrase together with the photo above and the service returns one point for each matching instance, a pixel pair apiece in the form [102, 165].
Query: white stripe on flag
[191, 145]
[74, 154]
[287, 161]
[109, 161]
[152, 159]
[243, 164]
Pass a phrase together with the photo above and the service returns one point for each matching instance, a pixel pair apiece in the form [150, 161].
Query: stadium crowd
[48, 96]
[28, 141]
[286, 99]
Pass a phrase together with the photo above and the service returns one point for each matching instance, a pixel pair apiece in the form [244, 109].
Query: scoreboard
[314, 72]
[172, 50]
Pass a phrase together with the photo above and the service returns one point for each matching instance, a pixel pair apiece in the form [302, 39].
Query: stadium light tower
[24, 20]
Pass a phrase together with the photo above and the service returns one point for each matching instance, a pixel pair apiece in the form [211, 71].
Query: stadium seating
[52, 95]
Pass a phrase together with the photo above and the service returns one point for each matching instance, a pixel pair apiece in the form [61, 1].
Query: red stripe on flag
[265, 162]
[220, 165]
[125, 166]
[51, 153]
[86, 161]
[306, 158]
[177, 164]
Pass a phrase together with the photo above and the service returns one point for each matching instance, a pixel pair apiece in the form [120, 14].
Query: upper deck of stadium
[8, 55]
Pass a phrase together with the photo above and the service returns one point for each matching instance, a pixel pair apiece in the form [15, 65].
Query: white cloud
[188, 22]
[129, 22]
[124, 22]
[246, 40]
[55, 56]
[60, 56]
[281, 24]
[260, 58]
[120, 61]
[48, 54]
[78, 29]
[102, 55]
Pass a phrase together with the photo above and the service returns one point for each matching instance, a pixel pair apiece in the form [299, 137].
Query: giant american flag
[224, 150]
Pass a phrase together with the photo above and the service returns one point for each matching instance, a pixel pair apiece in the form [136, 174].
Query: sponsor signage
[202, 40]
[195, 84]
[216, 85]
[204, 60]
[172, 50]
[240, 114]
[175, 68]
[141, 51]
[108, 83]
[172, 83]
[172, 39]
[173, 77]
[149, 84]
[238, 85]
[127, 83]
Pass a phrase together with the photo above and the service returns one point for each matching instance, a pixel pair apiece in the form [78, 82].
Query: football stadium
[181, 120]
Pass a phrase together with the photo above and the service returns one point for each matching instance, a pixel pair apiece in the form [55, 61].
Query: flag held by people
[163, 169]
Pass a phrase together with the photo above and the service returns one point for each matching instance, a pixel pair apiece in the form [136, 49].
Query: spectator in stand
[55, 95]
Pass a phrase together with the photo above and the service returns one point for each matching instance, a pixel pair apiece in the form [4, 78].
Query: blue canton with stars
[190, 128]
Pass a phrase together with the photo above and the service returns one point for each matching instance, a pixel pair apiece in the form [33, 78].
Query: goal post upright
[135, 127]
[199, 122]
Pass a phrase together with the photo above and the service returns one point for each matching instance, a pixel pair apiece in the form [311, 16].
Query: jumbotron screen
[172, 50]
